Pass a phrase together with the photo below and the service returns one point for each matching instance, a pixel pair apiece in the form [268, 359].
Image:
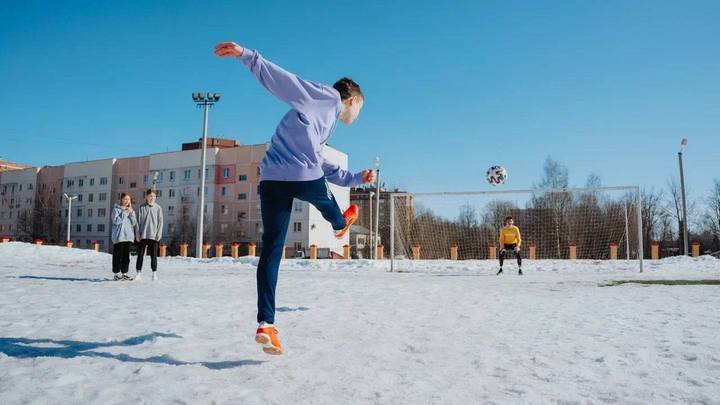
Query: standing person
[294, 167]
[150, 225]
[510, 241]
[124, 228]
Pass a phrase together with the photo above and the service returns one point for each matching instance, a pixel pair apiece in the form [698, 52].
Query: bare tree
[24, 225]
[673, 207]
[711, 221]
[554, 204]
[46, 217]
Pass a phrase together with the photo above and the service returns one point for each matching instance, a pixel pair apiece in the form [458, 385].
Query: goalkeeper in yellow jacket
[510, 241]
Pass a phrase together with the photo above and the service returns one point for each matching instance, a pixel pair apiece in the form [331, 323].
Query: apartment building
[17, 199]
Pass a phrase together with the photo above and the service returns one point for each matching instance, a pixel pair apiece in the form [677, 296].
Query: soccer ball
[496, 175]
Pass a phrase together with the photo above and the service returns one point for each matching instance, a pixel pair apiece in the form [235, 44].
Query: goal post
[601, 223]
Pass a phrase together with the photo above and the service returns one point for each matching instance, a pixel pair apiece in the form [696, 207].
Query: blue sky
[452, 88]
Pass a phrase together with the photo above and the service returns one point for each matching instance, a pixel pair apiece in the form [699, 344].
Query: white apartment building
[17, 198]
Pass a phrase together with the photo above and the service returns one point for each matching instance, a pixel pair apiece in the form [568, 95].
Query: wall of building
[92, 183]
[17, 197]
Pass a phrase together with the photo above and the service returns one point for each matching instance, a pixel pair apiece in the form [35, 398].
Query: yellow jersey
[510, 235]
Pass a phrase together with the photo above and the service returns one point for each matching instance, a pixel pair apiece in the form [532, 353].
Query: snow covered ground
[439, 332]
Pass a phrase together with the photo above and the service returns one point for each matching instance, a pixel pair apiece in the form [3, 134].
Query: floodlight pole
[206, 101]
[70, 200]
[683, 144]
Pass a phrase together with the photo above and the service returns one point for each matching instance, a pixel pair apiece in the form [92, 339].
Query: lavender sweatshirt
[295, 152]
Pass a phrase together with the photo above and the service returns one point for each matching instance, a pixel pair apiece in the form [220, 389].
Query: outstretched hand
[228, 49]
[369, 176]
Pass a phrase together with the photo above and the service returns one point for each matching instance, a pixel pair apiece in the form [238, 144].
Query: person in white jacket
[150, 226]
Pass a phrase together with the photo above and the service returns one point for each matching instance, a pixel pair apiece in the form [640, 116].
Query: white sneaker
[138, 276]
[154, 276]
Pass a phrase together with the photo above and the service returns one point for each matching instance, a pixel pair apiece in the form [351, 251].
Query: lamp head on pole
[376, 161]
[683, 144]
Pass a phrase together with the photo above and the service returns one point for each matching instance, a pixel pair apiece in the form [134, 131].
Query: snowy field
[438, 333]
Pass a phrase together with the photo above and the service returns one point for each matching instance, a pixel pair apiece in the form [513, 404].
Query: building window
[171, 228]
[133, 185]
[297, 226]
[121, 180]
[90, 213]
[242, 177]
[101, 227]
[226, 173]
[30, 186]
[223, 228]
[103, 181]
[101, 212]
[80, 197]
[171, 193]
[89, 228]
[69, 183]
[298, 206]
[102, 197]
[172, 176]
[241, 216]
[242, 196]
[171, 210]
[78, 228]
[79, 212]
[187, 174]
[223, 191]
[90, 197]
[145, 179]
[80, 182]
[297, 246]
[159, 193]
[92, 182]
[66, 213]
[223, 209]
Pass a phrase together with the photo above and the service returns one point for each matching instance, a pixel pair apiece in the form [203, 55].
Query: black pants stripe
[152, 246]
[121, 257]
[510, 248]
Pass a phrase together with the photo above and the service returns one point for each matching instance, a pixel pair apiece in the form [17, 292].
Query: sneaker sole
[268, 348]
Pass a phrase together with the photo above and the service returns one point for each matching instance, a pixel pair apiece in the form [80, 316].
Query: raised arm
[341, 177]
[301, 95]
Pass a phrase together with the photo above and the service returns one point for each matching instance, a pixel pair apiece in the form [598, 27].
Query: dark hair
[150, 191]
[508, 217]
[348, 88]
[123, 195]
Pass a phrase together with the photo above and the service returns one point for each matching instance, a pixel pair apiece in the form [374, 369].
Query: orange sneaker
[351, 215]
[267, 336]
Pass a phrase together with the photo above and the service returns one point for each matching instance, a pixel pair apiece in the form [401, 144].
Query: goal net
[565, 224]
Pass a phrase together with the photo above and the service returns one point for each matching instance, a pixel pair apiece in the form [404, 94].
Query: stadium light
[70, 200]
[376, 161]
[203, 101]
[683, 145]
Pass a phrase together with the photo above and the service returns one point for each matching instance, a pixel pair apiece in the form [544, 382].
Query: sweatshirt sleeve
[340, 177]
[301, 95]
[117, 216]
[519, 239]
[500, 240]
[160, 224]
[133, 221]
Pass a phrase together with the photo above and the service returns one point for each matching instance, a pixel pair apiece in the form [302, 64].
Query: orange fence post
[251, 249]
[163, 250]
[655, 251]
[613, 251]
[346, 251]
[416, 252]
[38, 242]
[218, 250]
[573, 251]
[234, 250]
[380, 252]
[533, 251]
[183, 249]
[453, 252]
[68, 243]
[695, 249]
[5, 239]
[492, 252]
[313, 252]
[205, 250]
[96, 246]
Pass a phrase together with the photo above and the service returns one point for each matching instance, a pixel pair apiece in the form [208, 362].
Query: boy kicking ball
[294, 167]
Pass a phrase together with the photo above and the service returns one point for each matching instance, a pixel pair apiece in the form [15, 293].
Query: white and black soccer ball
[496, 175]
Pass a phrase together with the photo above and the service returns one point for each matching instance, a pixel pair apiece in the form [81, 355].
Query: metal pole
[392, 232]
[377, 214]
[69, 217]
[370, 224]
[201, 208]
[684, 207]
[638, 208]
[627, 234]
